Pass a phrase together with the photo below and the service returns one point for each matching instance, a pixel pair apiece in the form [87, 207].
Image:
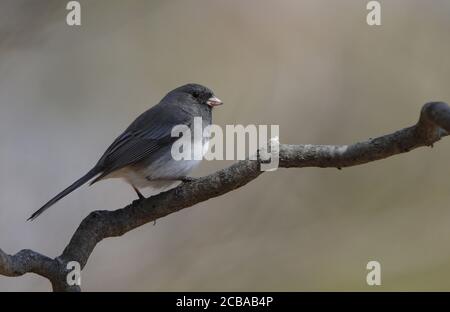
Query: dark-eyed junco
[142, 153]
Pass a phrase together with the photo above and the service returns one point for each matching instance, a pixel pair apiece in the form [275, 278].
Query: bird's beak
[213, 101]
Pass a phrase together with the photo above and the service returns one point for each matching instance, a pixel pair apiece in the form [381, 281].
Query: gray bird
[141, 155]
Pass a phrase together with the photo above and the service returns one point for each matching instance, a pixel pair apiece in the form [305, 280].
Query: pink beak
[213, 101]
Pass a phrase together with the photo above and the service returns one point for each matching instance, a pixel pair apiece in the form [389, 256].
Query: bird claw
[137, 202]
[188, 179]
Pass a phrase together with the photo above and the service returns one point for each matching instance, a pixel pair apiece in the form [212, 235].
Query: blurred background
[312, 66]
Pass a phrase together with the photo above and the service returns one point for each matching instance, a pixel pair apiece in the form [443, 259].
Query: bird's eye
[195, 94]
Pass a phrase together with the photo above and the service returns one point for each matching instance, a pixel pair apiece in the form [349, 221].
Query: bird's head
[200, 94]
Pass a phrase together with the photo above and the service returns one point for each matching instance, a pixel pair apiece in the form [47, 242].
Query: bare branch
[25, 261]
[434, 123]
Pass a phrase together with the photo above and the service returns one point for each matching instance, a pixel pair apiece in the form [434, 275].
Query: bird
[141, 155]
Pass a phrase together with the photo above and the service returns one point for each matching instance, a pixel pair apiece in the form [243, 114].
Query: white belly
[162, 174]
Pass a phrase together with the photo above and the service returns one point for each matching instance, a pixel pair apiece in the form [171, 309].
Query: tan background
[314, 67]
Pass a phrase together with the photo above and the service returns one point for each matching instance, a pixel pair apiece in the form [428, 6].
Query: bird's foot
[137, 202]
[188, 179]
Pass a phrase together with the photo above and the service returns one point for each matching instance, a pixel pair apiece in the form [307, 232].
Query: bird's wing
[146, 135]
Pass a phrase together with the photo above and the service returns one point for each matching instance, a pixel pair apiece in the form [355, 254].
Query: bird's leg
[139, 194]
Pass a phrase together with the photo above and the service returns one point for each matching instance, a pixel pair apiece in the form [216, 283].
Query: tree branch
[434, 123]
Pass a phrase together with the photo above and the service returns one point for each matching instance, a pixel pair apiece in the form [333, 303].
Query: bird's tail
[92, 173]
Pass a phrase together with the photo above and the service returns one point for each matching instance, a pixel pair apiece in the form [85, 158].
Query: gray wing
[146, 135]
